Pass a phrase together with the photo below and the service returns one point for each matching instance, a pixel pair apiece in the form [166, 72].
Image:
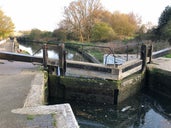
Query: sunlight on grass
[168, 56]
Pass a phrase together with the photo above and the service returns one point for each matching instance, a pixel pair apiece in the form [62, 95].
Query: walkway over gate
[60, 63]
[85, 69]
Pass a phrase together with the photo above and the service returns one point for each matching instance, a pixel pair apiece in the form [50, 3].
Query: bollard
[127, 53]
[62, 59]
[150, 53]
[143, 56]
[45, 56]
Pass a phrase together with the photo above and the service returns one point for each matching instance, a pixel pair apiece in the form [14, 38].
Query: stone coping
[63, 114]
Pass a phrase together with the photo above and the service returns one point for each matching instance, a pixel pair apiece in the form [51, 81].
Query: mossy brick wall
[159, 81]
[56, 90]
[45, 89]
[130, 86]
[89, 90]
[93, 90]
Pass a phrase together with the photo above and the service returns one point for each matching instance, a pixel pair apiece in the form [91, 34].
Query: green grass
[168, 56]
[97, 54]
[30, 117]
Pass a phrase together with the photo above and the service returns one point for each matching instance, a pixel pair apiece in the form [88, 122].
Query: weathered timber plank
[20, 57]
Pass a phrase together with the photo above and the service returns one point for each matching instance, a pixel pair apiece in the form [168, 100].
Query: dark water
[140, 111]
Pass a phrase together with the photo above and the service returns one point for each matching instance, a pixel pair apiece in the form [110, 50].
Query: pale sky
[46, 14]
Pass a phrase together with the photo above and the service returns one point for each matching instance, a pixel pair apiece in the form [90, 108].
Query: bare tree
[80, 16]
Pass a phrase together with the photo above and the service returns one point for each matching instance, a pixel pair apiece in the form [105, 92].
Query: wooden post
[137, 49]
[143, 56]
[150, 53]
[45, 56]
[127, 53]
[62, 60]
[116, 93]
[14, 42]
[65, 64]
[13, 46]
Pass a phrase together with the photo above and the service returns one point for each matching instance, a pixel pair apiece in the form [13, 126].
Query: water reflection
[144, 112]
[52, 52]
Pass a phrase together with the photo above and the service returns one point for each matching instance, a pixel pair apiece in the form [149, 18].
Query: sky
[46, 14]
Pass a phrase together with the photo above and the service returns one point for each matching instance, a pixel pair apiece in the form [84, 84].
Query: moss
[129, 87]
[93, 90]
[54, 121]
[45, 89]
[81, 89]
[30, 117]
[45, 75]
[55, 88]
[87, 83]
[118, 82]
[159, 81]
[53, 78]
[159, 73]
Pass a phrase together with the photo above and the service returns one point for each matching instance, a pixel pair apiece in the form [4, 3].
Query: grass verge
[168, 56]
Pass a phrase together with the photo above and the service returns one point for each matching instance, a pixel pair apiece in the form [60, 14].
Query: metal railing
[107, 51]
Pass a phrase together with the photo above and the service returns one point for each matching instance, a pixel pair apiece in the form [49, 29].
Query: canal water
[52, 52]
[140, 111]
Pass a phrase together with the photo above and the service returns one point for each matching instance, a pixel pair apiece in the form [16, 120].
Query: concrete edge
[62, 113]
[35, 95]
[33, 105]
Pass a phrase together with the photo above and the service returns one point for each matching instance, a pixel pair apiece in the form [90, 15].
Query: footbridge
[85, 69]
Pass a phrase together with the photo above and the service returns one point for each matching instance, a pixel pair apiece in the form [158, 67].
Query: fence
[107, 55]
[118, 71]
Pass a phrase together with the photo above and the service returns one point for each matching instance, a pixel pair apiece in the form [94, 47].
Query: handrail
[41, 48]
[111, 50]
[36, 51]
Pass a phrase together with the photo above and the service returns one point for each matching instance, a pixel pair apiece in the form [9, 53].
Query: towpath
[162, 63]
[15, 83]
